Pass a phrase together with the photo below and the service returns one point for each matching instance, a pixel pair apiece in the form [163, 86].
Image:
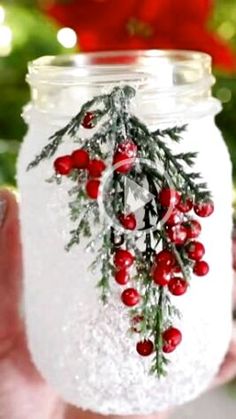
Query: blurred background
[32, 28]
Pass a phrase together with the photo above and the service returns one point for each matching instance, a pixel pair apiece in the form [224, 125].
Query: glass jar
[81, 347]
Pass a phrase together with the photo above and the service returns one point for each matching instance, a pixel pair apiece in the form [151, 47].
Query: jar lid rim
[119, 59]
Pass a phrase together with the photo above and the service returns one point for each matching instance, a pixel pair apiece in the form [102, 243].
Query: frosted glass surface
[82, 348]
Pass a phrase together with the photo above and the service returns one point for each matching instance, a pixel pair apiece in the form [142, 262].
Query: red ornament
[193, 228]
[122, 277]
[145, 347]
[201, 268]
[92, 188]
[126, 153]
[174, 218]
[96, 167]
[195, 250]
[204, 209]
[161, 274]
[130, 297]
[128, 221]
[88, 121]
[165, 257]
[63, 165]
[80, 159]
[178, 286]
[177, 234]
[185, 206]
[169, 197]
[123, 259]
[172, 337]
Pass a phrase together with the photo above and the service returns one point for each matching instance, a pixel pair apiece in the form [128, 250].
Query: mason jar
[82, 347]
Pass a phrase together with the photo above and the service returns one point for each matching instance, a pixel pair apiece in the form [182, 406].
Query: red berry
[165, 257]
[176, 269]
[161, 274]
[130, 297]
[80, 159]
[172, 337]
[123, 259]
[195, 250]
[128, 221]
[201, 268]
[126, 152]
[128, 147]
[63, 165]
[204, 209]
[167, 348]
[177, 234]
[177, 286]
[136, 320]
[96, 167]
[174, 217]
[185, 206]
[88, 121]
[126, 166]
[122, 277]
[169, 197]
[92, 188]
[193, 228]
[145, 347]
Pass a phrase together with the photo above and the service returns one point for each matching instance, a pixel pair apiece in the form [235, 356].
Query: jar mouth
[108, 59]
[169, 83]
[169, 68]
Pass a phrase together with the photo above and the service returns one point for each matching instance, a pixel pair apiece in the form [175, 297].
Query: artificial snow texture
[83, 349]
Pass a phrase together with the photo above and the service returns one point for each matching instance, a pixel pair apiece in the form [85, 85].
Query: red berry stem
[159, 362]
[181, 262]
[106, 270]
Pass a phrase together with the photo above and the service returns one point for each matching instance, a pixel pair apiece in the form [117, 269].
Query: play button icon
[136, 197]
[131, 197]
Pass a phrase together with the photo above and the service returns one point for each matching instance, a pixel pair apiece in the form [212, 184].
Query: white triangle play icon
[136, 197]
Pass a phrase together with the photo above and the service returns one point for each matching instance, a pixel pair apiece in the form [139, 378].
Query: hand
[23, 392]
[228, 369]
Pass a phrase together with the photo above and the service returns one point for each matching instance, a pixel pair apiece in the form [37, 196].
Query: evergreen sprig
[114, 123]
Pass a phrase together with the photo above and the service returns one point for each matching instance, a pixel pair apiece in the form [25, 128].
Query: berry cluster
[123, 261]
[80, 160]
[171, 338]
[123, 160]
[181, 231]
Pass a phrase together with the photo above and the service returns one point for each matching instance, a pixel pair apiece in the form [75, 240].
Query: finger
[234, 290]
[23, 393]
[10, 269]
[228, 368]
[74, 413]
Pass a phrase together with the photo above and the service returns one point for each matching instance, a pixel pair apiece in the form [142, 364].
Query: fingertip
[8, 206]
[10, 266]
